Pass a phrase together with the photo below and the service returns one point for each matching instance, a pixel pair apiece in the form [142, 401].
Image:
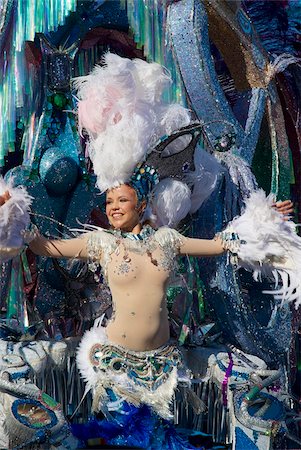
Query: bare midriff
[138, 287]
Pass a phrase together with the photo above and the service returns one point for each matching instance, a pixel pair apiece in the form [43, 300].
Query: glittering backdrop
[148, 21]
[182, 38]
[190, 24]
[20, 21]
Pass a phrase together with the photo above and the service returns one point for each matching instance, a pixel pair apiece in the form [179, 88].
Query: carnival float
[235, 66]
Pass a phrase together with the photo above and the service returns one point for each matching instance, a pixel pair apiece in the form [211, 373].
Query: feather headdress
[120, 106]
[121, 109]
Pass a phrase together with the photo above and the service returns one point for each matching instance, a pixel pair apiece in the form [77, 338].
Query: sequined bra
[101, 244]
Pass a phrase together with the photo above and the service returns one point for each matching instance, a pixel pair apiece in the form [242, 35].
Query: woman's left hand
[286, 208]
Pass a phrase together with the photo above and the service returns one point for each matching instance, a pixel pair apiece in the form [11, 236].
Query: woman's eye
[123, 200]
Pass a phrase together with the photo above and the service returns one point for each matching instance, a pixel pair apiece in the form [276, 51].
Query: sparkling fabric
[134, 427]
[148, 377]
[103, 243]
[148, 369]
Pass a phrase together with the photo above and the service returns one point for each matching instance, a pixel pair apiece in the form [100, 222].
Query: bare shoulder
[100, 241]
[169, 236]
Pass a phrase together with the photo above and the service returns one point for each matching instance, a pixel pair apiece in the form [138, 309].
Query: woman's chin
[120, 225]
[124, 225]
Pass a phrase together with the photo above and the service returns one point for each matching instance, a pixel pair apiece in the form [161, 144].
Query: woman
[130, 365]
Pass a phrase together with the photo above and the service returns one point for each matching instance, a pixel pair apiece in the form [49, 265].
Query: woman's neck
[137, 228]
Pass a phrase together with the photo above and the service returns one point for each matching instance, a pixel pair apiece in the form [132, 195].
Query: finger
[286, 210]
[290, 205]
[6, 196]
[284, 202]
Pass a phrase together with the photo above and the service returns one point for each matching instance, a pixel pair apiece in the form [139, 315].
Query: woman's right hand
[4, 198]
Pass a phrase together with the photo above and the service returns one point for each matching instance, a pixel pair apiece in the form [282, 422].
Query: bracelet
[230, 242]
[30, 233]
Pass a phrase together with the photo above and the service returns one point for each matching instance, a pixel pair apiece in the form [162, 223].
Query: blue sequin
[134, 427]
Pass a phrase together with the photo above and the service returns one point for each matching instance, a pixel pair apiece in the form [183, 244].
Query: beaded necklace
[107, 242]
[146, 232]
[143, 237]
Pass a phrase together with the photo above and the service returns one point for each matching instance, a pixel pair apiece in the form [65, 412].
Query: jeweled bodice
[137, 269]
[164, 243]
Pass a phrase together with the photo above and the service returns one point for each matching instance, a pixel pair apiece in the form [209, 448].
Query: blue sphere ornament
[18, 174]
[58, 171]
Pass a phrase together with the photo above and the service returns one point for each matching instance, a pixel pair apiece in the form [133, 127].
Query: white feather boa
[270, 246]
[14, 219]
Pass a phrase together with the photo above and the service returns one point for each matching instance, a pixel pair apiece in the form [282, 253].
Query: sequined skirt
[116, 374]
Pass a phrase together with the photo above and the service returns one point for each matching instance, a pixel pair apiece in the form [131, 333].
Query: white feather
[14, 218]
[116, 151]
[96, 335]
[239, 171]
[174, 117]
[203, 179]
[153, 79]
[170, 202]
[271, 244]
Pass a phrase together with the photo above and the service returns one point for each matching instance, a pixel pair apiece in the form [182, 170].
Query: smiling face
[122, 208]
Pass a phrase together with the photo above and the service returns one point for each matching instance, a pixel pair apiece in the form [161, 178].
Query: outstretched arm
[14, 209]
[60, 248]
[202, 247]
[217, 246]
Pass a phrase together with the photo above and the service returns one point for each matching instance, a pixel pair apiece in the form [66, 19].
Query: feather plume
[91, 337]
[170, 202]
[270, 246]
[203, 180]
[14, 219]
[174, 117]
[121, 107]
[116, 151]
[239, 171]
[153, 79]
[105, 94]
